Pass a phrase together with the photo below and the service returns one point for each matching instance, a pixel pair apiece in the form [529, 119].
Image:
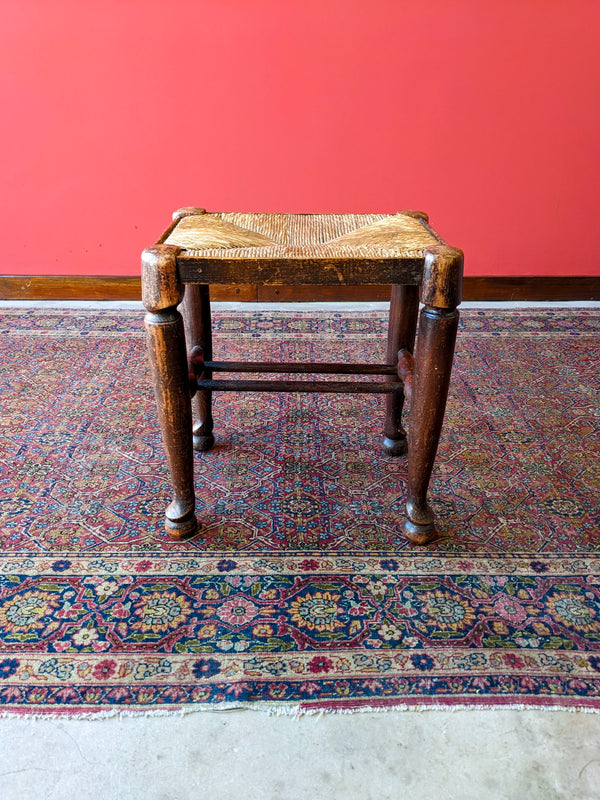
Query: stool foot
[181, 529]
[419, 525]
[395, 447]
[419, 534]
[202, 444]
[180, 522]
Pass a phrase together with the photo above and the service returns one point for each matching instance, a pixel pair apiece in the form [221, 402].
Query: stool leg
[433, 364]
[166, 349]
[198, 333]
[404, 309]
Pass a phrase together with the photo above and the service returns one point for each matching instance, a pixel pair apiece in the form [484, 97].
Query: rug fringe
[291, 711]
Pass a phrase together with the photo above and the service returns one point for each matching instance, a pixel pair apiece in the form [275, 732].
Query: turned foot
[395, 447]
[180, 523]
[419, 526]
[203, 443]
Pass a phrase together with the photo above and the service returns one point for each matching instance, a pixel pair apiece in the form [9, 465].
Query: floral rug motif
[300, 590]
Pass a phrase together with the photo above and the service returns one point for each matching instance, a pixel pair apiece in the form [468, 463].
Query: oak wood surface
[128, 287]
[429, 375]
[292, 249]
[324, 387]
[402, 326]
[309, 368]
[275, 271]
[198, 330]
[96, 287]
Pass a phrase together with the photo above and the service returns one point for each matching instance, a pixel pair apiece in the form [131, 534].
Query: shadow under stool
[199, 249]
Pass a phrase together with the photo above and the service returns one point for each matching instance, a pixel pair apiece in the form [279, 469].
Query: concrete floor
[500, 754]
[459, 755]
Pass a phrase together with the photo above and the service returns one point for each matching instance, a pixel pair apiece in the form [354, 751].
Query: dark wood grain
[165, 336]
[198, 331]
[127, 287]
[432, 367]
[442, 277]
[96, 287]
[540, 288]
[312, 368]
[324, 387]
[323, 294]
[557, 288]
[406, 370]
[402, 326]
[69, 287]
[300, 271]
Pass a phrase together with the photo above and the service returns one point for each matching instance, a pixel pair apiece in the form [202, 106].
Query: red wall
[485, 114]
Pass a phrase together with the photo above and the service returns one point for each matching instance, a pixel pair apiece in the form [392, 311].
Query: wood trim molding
[95, 287]
[537, 287]
[111, 287]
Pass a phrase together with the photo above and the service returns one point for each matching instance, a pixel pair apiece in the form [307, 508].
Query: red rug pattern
[300, 589]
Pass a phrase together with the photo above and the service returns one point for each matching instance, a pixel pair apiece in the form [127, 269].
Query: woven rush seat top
[233, 236]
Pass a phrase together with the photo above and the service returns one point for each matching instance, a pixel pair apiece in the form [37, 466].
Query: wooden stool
[200, 248]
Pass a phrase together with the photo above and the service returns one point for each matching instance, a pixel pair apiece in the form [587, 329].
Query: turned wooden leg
[166, 348]
[198, 333]
[438, 323]
[404, 309]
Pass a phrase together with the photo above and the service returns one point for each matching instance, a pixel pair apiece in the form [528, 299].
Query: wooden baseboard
[94, 287]
[486, 288]
[535, 288]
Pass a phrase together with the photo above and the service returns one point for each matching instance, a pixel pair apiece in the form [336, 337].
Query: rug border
[330, 705]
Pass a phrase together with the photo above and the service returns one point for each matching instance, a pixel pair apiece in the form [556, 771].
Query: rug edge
[304, 709]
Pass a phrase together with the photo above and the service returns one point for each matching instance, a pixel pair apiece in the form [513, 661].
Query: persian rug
[300, 592]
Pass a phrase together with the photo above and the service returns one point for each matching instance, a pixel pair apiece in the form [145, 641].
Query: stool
[199, 249]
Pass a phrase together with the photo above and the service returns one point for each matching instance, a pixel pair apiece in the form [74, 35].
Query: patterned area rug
[300, 590]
